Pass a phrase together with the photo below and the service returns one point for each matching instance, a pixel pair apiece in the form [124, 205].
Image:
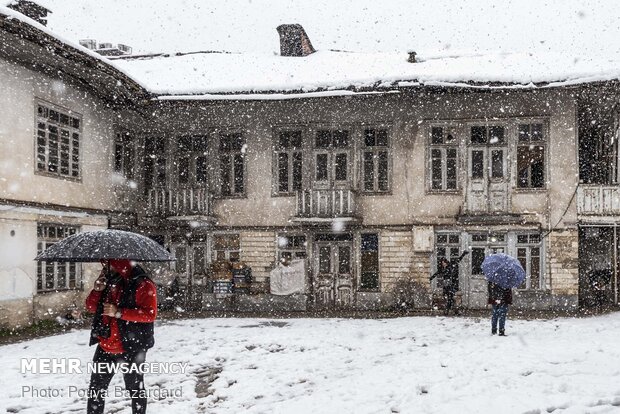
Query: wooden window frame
[44, 240]
[46, 116]
[537, 243]
[291, 152]
[375, 151]
[443, 149]
[231, 156]
[521, 144]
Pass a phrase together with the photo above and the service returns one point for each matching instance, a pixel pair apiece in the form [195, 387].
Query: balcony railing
[180, 202]
[598, 199]
[325, 203]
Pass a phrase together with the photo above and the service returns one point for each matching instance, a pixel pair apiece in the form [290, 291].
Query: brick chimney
[31, 9]
[294, 41]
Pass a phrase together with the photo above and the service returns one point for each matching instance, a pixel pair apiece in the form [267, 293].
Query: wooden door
[333, 274]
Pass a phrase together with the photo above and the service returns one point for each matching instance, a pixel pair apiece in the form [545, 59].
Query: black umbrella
[94, 246]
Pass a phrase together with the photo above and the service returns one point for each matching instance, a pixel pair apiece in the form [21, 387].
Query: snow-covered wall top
[521, 43]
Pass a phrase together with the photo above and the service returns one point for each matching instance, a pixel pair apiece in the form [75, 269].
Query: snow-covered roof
[557, 59]
[235, 73]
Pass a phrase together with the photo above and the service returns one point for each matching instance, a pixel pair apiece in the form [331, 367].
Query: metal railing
[595, 199]
[180, 202]
[325, 203]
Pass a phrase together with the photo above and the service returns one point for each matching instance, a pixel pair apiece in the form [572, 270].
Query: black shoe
[502, 333]
[493, 332]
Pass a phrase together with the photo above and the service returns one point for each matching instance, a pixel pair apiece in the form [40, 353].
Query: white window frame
[231, 154]
[447, 129]
[46, 239]
[49, 116]
[290, 151]
[528, 246]
[544, 143]
[292, 250]
[375, 151]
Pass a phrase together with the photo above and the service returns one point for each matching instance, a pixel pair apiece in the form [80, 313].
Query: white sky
[429, 26]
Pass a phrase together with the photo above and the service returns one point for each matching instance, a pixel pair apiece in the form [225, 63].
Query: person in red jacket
[125, 307]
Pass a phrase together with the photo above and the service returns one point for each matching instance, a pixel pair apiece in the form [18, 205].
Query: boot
[502, 333]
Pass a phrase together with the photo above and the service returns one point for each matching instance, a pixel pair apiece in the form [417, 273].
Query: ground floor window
[291, 246]
[53, 275]
[226, 247]
[369, 262]
[529, 254]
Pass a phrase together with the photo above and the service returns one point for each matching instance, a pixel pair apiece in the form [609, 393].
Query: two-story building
[370, 167]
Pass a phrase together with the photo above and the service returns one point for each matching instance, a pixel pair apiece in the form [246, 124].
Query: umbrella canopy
[503, 270]
[94, 246]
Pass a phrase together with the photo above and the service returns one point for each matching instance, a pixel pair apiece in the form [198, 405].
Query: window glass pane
[383, 171]
[477, 257]
[180, 254]
[496, 135]
[524, 132]
[437, 135]
[323, 139]
[369, 137]
[477, 164]
[225, 175]
[370, 242]
[183, 170]
[118, 157]
[451, 175]
[341, 167]
[283, 172]
[454, 238]
[537, 132]
[295, 139]
[324, 259]
[341, 139]
[369, 171]
[497, 164]
[478, 135]
[284, 141]
[442, 238]
[297, 171]
[382, 138]
[436, 170]
[185, 144]
[538, 167]
[321, 167]
[201, 169]
[238, 171]
[344, 260]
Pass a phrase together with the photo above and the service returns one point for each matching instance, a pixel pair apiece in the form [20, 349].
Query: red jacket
[146, 302]
[497, 293]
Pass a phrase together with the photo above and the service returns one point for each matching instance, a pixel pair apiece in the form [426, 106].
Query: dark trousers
[448, 294]
[99, 381]
[499, 315]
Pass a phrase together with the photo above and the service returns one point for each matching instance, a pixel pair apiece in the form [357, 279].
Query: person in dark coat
[448, 273]
[125, 307]
[499, 298]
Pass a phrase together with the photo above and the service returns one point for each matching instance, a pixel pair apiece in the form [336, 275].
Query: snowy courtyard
[404, 365]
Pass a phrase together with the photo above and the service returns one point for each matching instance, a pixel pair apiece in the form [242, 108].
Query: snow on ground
[406, 365]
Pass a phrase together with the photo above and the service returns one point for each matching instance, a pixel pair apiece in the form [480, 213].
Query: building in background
[370, 176]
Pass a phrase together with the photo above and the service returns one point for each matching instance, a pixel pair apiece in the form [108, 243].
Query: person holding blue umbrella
[503, 273]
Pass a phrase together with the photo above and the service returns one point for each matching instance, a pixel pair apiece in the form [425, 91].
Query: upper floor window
[232, 168]
[54, 275]
[123, 154]
[289, 162]
[331, 156]
[531, 156]
[58, 141]
[154, 163]
[375, 159]
[444, 160]
[192, 161]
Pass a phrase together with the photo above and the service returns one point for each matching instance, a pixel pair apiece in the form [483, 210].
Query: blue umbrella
[503, 270]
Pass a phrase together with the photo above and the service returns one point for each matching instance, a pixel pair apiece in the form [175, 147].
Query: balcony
[600, 200]
[325, 205]
[181, 204]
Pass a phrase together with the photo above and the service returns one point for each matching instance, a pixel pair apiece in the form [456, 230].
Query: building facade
[369, 189]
